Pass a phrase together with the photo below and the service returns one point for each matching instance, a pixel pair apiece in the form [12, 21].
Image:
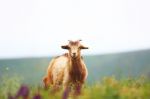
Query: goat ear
[83, 47]
[65, 47]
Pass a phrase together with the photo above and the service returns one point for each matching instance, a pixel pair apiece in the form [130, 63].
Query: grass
[108, 88]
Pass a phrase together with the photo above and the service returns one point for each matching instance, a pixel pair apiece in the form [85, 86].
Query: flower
[77, 89]
[37, 96]
[66, 93]
[10, 96]
[23, 91]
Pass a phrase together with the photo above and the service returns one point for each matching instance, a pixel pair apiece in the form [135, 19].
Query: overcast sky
[39, 27]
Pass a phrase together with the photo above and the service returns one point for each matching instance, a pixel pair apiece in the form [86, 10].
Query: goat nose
[74, 54]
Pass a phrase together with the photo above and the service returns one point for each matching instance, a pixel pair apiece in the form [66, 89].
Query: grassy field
[23, 77]
[108, 88]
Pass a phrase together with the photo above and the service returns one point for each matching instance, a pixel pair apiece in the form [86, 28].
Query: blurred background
[116, 31]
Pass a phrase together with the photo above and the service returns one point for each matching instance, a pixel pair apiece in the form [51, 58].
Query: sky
[34, 28]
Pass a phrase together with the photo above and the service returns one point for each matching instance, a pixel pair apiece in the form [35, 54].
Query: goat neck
[76, 69]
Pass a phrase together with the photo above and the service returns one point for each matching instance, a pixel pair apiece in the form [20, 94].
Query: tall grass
[9, 84]
[108, 88]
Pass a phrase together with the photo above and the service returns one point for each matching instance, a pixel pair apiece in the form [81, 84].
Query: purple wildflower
[66, 93]
[37, 96]
[77, 89]
[10, 96]
[23, 91]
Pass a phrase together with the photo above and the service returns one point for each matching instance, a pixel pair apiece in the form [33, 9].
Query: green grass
[108, 88]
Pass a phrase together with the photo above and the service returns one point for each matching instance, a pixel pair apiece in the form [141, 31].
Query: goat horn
[70, 40]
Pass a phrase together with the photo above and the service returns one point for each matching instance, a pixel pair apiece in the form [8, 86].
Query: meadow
[111, 76]
[108, 88]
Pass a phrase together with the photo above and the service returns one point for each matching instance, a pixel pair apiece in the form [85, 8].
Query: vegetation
[125, 84]
[108, 88]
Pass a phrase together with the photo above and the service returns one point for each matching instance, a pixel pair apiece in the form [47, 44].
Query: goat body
[64, 70]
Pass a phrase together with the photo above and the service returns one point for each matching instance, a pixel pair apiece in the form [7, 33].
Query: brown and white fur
[68, 69]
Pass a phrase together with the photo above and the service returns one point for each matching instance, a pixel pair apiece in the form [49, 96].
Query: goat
[68, 69]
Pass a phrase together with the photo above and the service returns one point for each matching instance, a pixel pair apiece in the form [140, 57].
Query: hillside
[121, 65]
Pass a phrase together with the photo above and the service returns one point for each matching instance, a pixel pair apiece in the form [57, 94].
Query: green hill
[121, 65]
